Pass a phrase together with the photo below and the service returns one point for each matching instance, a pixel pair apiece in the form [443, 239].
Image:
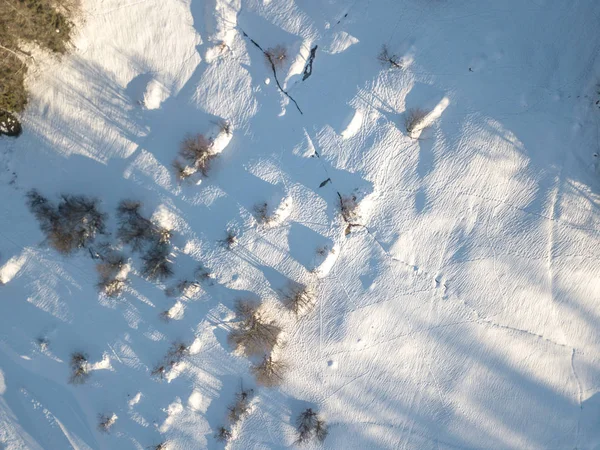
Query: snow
[461, 309]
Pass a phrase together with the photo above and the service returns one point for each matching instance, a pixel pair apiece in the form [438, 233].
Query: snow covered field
[460, 310]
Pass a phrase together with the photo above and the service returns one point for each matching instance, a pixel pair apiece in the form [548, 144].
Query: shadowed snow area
[456, 306]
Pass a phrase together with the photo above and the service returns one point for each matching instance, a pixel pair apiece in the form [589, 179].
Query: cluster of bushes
[144, 236]
[237, 411]
[75, 222]
[72, 224]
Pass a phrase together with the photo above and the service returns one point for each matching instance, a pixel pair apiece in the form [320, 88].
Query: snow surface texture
[461, 310]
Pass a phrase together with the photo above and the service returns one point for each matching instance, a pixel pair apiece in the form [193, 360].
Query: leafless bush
[79, 368]
[230, 240]
[109, 270]
[349, 208]
[111, 287]
[225, 127]
[310, 427]
[174, 356]
[182, 171]
[183, 288]
[388, 59]
[71, 225]
[162, 446]
[270, 371]
[261, 212]
[223, 434]
[165, 316]
[299, 299]
[277, 55]
[198, 151]
[254, 334]
[414, 119]
[106, 422]
[241, 407]
[43, 342]
[203, 274]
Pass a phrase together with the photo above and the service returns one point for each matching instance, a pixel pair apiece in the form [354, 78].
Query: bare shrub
[159, 371]
[414, 119]
[310, 427]
[174, 356]
[261, 212]
[157, 265]
[277, 55]
[134, 229]
[254, 334]
[299, 299]
[79, 368]
[203, 274]
[349, 208]
[162, 446]
[165, 316]
[270, 371]
[111, 287]
[43, 343]
[225, 127]
[230, 240]
[71, 225]
[388, 59]
[109, 270]
[106, 422]
[198, 151]
[223, 434]
[241, 407]
[183, 288]
[182, 171]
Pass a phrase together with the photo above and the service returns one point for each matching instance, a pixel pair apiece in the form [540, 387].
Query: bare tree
[261, 211]
[162, 446]
[277, 55]
[254, 334]
[230, 240]
[299, 299]
[349, 208]
[223, 434]
[225, 127]
[134, 229]
[79, 368]
[111, 282]
[106, 422]
[414, 120]
[310, 427]
[183, 288]
[157, 265]
[270, 371]
[182, 171]
[198, 151]
[174, 356]
[388, 59]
